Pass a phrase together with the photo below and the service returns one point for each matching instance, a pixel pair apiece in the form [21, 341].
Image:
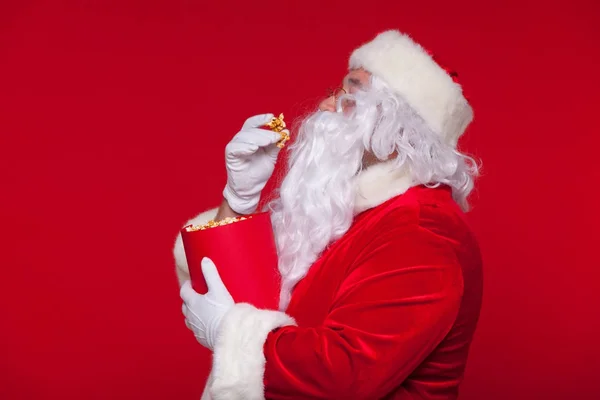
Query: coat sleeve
[181, 267]
[398, 301]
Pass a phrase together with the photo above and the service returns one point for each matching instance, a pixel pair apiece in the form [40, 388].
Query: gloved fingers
[238, 149]
[193, 326]
[257, 120]
[203, 341]
[258, 137]
[189, 325]
[187, 313]
[273, 151]
[212, 277]
[192, 321]
[187, 293]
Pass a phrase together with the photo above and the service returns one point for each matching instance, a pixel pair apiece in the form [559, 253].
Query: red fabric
[388, 311]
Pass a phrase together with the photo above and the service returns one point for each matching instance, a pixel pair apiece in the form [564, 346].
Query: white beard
[316, 198]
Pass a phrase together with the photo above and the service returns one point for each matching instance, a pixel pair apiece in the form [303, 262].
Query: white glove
[204, 312]
[250, 160]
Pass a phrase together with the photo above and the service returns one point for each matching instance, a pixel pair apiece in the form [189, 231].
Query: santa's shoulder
[421, 209]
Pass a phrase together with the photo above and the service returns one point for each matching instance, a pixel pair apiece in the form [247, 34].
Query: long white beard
[316, 198]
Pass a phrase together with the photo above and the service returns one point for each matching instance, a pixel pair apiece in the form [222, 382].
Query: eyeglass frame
[334, 92]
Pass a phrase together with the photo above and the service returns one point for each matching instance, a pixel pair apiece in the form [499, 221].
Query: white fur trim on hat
[238, 358]
[413, 74]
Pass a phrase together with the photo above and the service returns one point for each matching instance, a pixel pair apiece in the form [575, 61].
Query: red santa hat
[413, 73]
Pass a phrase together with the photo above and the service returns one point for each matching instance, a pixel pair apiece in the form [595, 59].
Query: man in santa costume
[381, 275]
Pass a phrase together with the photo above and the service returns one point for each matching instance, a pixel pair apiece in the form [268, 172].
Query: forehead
[357, 77]
[359, 74]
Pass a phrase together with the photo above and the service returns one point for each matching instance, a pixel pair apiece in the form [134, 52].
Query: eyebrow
[354, 82]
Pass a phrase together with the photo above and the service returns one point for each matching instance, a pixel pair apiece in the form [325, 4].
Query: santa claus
[381, 275]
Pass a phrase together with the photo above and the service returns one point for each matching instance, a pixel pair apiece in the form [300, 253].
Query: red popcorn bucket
[245, 255]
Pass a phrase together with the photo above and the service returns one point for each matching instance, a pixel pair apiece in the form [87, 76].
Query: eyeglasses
[336, 93]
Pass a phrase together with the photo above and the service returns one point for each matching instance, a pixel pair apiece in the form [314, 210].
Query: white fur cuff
[238, 358]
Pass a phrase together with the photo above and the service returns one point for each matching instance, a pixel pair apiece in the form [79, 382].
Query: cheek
[327, 105]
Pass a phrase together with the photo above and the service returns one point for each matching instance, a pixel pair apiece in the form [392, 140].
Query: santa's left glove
[204, 312]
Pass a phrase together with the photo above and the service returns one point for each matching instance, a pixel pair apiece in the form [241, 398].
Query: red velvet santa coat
[387, 312]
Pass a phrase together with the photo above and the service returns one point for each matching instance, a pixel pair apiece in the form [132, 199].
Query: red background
[113, 119]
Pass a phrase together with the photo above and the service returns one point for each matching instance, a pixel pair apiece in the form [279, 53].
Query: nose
[328, 104]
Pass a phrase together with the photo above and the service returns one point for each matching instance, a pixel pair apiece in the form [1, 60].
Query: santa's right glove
[250, 160]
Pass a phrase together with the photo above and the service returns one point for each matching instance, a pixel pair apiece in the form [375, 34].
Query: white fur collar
[378, 183]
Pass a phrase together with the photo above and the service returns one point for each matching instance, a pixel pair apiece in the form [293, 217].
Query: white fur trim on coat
[181, 267]
[379, 183]
[413, 74]
[238, 358]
